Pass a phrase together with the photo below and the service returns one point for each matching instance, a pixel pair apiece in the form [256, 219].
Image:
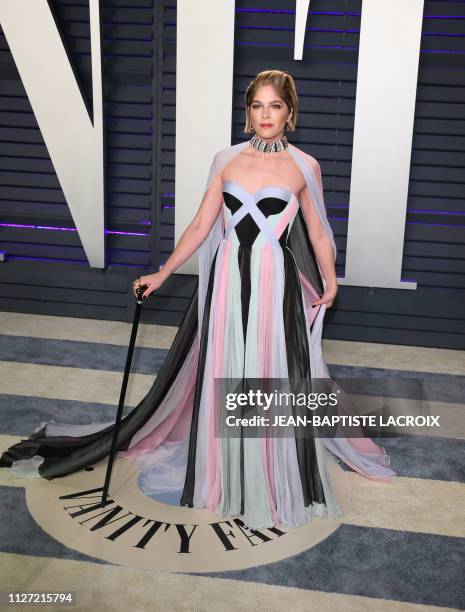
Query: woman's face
[268, 113]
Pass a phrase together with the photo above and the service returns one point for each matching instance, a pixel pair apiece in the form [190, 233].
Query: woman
[266, 275]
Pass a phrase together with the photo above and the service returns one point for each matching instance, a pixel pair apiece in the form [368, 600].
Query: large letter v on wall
[75, 145]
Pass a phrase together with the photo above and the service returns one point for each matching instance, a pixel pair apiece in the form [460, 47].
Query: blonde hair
[284, 85]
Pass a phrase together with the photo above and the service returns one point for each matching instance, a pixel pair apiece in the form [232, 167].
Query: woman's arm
[321, 245]
[191, 238]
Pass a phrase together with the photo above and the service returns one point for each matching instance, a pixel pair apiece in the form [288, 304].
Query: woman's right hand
[150, 283]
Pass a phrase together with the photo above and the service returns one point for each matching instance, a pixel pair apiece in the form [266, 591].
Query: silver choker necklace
[268, 147]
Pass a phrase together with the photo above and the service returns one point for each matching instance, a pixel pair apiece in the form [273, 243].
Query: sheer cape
[298, 240]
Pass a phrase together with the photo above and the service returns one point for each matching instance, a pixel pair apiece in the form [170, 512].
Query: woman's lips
[266, 125]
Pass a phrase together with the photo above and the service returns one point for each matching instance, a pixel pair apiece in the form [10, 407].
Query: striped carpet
[401, 546]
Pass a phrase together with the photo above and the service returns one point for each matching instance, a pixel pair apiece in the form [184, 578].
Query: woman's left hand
[327, 297]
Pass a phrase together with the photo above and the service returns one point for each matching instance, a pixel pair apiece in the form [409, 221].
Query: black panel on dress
[187, 498]
[298, 363]
[247, 231]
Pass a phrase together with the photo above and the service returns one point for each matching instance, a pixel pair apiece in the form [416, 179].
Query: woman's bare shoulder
[239, 162]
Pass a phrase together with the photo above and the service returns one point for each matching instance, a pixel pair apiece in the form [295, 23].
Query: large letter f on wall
[75, 145]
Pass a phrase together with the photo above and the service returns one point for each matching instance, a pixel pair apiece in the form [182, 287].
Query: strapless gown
[254, 326]
[257, 323]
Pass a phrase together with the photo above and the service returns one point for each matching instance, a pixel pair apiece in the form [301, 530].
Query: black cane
[132, 342]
